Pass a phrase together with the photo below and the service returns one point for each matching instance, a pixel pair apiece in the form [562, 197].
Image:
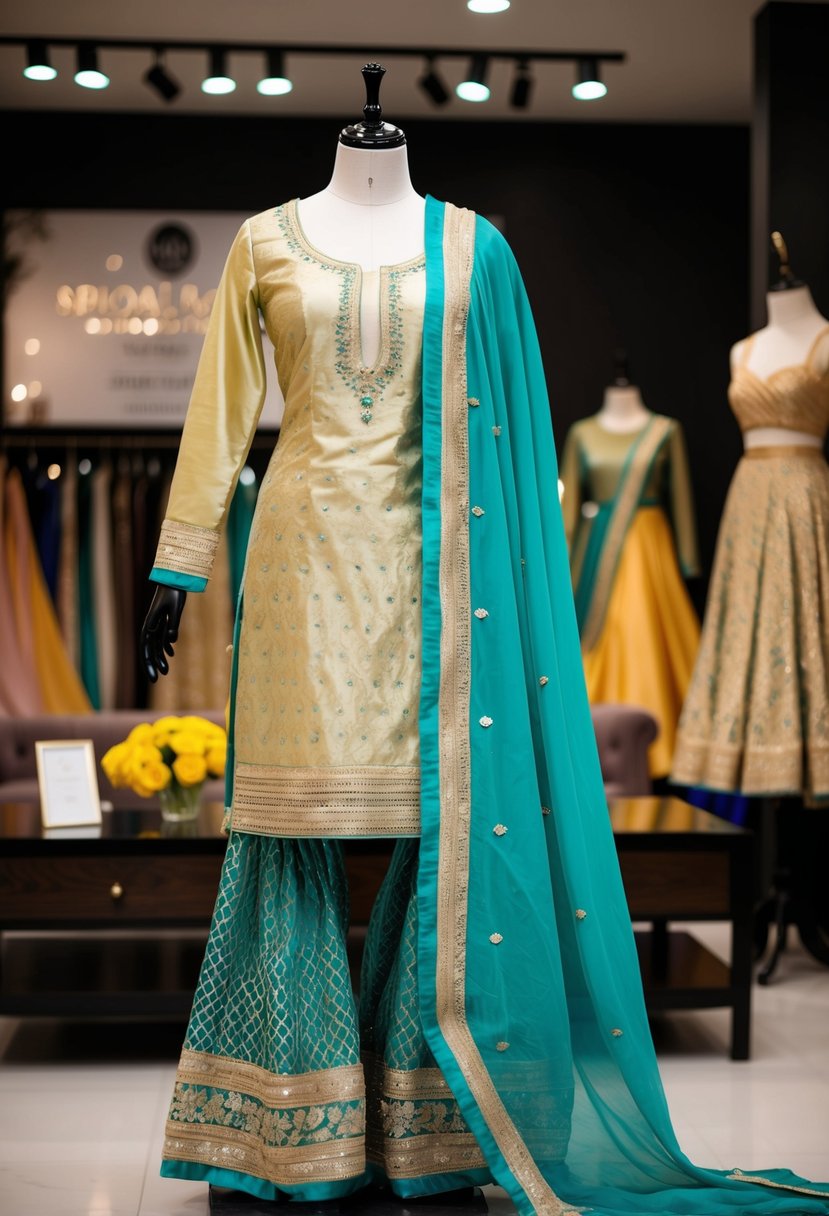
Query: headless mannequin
[369, 214]
[623, 410]
[794, 324]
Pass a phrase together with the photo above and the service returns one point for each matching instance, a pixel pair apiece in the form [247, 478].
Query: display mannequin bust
[623, 409]
[368, 214]
[792, 335]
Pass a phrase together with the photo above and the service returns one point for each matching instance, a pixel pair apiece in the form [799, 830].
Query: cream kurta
[325, 725]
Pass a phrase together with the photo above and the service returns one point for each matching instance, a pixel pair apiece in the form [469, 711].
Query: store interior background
[635, 219]
[641, 221]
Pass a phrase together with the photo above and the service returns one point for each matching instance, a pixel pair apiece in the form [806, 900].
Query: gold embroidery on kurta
[186, 548]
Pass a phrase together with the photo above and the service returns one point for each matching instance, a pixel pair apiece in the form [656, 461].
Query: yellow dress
[639, 629]
[757, 715]
[326, 702]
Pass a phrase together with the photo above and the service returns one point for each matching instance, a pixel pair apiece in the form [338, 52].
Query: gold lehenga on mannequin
[629, 516]
[757, 715]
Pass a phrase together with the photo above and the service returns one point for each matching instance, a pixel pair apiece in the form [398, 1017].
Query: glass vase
[180, 803]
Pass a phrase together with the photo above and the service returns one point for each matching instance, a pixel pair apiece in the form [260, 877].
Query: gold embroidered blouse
[795, 397]
[326, 701]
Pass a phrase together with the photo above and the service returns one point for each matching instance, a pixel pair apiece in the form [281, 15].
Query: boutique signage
[106, 318]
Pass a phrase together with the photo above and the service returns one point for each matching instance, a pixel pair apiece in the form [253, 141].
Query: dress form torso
[369, 214]
[623, 410]
[796, 334]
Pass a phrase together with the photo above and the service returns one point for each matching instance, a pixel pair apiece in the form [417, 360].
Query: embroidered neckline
[368, 383]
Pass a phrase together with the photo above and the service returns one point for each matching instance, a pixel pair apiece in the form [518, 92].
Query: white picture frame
[68, 782]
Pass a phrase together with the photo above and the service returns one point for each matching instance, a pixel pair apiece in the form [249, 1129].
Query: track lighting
[522, 86]
[432, 84]
[38, 66]
[217, 81]
[158, 78]
[487, 6]
[589, 85]
[274, 83]
[475, 88]
[88, 75]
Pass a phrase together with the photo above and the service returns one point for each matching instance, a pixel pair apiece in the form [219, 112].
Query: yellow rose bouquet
[172, 758]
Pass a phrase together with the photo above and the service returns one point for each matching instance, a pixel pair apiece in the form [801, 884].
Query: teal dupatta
[530, 993]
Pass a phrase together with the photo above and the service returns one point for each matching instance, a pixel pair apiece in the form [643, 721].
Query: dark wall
[627, 235]
[790, 166]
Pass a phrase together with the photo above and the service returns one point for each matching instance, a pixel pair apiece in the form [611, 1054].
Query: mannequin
[755, 710]
[623, 410]
[795, 332]
[368, 214]
[404, 624]
[628, 514]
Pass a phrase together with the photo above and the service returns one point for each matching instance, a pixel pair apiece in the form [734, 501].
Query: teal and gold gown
[407, 664]
[629, 519]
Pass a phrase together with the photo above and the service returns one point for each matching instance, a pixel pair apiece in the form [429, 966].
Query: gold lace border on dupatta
[186, 548]
[255, 1105]
[739, 1176]
[368, 800]
[453, 721]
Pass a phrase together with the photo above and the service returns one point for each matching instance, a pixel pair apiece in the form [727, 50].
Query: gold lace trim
[739, 1176]
[752, 770]
[407, 1130]
[367, 800]
[343, 1084]
[434, 1153]
[453, 720]
[186, 548]
[783, 451]
[310, 1105]
[230, 1149]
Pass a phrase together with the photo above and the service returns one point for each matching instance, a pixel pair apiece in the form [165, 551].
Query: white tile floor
[80, 1134]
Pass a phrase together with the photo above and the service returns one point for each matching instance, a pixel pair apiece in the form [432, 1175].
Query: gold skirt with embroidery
[756, 719]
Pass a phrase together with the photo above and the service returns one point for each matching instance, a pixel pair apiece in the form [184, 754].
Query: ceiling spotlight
[432, 84]
[38, 66]
[589, 85]
[88, 76]
[217, 81]
[474, 88]
[274, 83]
[158, 78]
[522, 86]
[487, 6]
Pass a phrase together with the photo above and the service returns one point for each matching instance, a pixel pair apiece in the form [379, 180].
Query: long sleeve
[682, 504]
[571, 480]
[227, 398]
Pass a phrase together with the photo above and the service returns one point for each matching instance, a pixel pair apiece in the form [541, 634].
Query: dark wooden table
[113, 920]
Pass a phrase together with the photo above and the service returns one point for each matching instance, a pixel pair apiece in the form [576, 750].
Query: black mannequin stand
[374, 1201]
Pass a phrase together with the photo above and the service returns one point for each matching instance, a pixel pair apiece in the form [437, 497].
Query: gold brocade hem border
[454, 696]
[286, 1128]
[418, 1156]
[414, 1124]
[788, 769]
[230, 1149]
[368, 800]
[276, 1090]
[186, 548]
[739, 1176]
